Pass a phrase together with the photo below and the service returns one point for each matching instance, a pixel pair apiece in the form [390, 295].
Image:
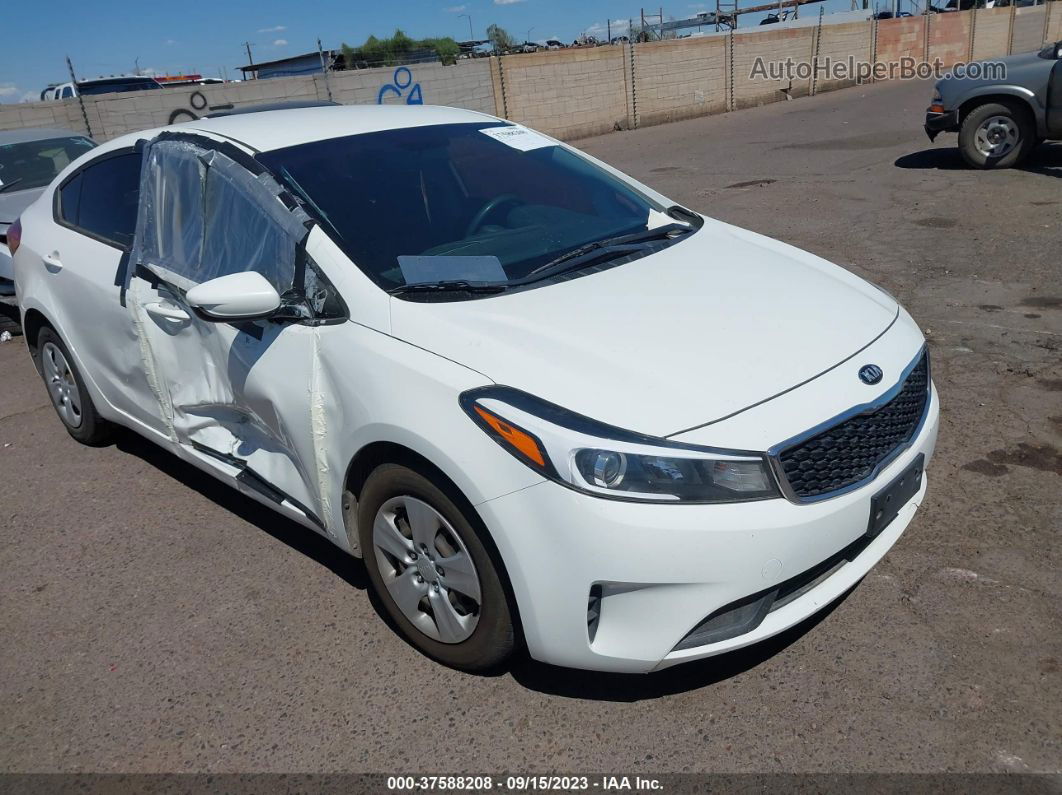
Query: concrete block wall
[679, 79]
[567, 93]
[900, 38]
[839, 42]
[1054, 21]
[949, 37]
[579, 92]
[464, 85]
[991, 34]
[1028, 32]
[795, 43]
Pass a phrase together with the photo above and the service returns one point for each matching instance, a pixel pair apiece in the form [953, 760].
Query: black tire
[91, 429]
[1021, 118]
[493, 639]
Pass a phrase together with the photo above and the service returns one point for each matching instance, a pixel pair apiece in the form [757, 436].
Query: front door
[1054, 101]
[234, 396]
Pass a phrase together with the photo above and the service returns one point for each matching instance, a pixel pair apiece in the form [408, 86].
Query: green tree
[500, 39]
[397, 49]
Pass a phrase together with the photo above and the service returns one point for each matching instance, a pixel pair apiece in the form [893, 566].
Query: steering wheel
[487, 209]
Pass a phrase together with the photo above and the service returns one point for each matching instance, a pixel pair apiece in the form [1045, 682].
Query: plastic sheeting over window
[203, 215]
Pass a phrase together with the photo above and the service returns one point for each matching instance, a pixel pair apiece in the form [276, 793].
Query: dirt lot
[154, 621]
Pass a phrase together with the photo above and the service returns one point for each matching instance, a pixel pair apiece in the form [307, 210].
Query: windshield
[481, 202]
[33, 164]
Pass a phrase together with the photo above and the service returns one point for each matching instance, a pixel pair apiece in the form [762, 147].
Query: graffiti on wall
[198, 102]
[401, 86]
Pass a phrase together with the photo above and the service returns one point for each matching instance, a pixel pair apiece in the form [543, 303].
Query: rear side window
[102, 199]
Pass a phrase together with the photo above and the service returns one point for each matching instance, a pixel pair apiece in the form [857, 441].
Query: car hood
[14, 202]
[717, 322]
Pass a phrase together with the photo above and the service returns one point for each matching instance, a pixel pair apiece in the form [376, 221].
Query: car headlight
[606, 461]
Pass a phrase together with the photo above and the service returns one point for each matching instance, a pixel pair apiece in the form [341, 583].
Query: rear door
[236, 396]
[95, 212]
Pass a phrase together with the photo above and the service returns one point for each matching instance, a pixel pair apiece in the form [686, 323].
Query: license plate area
[887, 503]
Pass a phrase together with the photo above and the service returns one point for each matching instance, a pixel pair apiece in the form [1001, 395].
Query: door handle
[174, 313]
[52, 262]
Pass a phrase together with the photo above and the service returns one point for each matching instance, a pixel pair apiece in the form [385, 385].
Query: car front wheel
[994, 135]
[432, 571]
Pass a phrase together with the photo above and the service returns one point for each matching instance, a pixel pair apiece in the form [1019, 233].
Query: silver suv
[1000, 121]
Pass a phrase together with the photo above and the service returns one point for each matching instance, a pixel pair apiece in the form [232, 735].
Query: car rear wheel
[431, 570]
[994, 135]
[67, 391]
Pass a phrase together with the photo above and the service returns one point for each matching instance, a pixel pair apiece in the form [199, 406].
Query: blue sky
[173, 36]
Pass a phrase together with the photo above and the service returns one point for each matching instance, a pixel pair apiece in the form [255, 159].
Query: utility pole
[250, 58]
[528, 39]
[608, 28]
[470, 36]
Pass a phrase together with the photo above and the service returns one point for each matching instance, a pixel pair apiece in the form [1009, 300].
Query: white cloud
[8, 89]
[455, 9]
[274, 29]
[171, 42]
[280, 43]
[506, 2]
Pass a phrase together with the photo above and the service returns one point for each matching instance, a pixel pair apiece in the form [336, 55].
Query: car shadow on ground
[1046, 160]
[597, 686]
[299, 538]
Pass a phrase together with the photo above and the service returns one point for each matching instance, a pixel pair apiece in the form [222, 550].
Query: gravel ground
[152, 620]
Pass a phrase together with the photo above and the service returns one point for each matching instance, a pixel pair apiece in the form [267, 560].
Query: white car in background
[30, 158]
[546, 404]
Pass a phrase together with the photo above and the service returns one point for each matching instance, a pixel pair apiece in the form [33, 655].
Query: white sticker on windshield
[421, 269]
[518, 137]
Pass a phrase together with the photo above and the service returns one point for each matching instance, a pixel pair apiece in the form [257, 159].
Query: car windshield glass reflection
[459, 203]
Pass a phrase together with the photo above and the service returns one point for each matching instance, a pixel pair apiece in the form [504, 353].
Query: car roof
[36, 134]
[277, 129]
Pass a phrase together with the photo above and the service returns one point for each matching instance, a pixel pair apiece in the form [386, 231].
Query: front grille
[852, 450]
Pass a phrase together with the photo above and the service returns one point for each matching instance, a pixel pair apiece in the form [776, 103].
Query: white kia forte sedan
[548, 406]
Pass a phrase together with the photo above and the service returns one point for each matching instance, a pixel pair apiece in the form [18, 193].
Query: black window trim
[57, 215]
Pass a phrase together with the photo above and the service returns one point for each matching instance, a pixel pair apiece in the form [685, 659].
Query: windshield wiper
[11, 184]
[623, 244]
[451, 286]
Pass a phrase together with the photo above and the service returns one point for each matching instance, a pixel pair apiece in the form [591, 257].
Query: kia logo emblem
[870, 374]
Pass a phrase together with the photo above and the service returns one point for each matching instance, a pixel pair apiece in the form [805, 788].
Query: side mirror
[238, 296]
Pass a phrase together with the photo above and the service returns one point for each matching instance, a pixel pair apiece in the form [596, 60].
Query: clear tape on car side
[205, 215]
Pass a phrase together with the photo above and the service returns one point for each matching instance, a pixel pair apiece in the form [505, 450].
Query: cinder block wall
[679, 79]
[1028, 31]
[579, 92]
[795, 43]
[991, 33]
[949, 37]
[1054, 24]
[901, 38]
[567, 93]
[838, 43]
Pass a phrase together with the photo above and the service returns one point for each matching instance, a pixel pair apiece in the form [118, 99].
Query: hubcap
[61, 385]
[997, 136]
[427, 569]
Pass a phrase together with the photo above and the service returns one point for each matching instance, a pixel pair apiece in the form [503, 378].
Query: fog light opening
[593, 611]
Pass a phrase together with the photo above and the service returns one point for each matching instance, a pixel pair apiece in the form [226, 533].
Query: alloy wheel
[996, 136]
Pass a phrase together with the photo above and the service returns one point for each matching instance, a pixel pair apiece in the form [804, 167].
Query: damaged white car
[547, 405]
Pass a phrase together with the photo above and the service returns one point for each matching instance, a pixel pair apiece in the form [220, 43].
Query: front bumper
[661, 569]
[936, 123]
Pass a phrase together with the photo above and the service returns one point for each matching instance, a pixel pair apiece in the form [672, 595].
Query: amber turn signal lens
[522, 442]
[936, 108]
